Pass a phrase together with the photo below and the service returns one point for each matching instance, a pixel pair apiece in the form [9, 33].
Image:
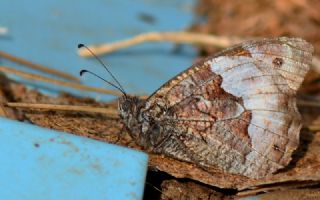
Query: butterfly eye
[126, 105]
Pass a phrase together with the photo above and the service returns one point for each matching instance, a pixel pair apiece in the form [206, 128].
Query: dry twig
[89, 109]
[39, 67]
[301, 102]
[3, 30]
[176, 37]
[58, 82]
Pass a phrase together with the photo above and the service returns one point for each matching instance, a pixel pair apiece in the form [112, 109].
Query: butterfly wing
[236, 110]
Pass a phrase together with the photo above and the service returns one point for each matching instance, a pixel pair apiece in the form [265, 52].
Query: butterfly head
[129, 109]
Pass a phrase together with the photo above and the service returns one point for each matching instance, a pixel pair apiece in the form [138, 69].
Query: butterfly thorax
[143, 121]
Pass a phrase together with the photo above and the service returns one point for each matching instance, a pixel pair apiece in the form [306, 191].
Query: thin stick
[88, 109]
[3, 30]
[314, 127]
[39, 67]
[308, 103]
[58, 82]
[176, 37]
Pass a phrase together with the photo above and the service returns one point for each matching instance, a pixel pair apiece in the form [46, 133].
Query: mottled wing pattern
[236, 110]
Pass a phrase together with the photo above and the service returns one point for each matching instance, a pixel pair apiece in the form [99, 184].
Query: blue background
[47, 32]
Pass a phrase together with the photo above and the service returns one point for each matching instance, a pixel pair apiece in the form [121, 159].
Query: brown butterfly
[235, 110]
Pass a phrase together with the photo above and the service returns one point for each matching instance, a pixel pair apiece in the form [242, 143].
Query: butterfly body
[235, 110]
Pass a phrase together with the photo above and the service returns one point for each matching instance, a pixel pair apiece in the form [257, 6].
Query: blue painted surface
[47, 32]
[38, 163]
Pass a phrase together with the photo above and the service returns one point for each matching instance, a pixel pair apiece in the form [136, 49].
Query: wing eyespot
[277, 62]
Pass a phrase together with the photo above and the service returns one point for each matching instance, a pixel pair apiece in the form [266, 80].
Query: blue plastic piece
[38, 163]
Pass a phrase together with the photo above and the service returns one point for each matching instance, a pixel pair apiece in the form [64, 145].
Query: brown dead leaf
[294, 194]
[173, 189]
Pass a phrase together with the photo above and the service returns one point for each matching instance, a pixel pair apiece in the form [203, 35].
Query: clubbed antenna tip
[82, 72]
[80, 45]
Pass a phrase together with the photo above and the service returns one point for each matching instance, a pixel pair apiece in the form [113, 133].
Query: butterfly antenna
[96, 75]
[105, 66]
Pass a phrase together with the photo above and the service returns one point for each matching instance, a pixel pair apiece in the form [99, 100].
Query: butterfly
[235, 110]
